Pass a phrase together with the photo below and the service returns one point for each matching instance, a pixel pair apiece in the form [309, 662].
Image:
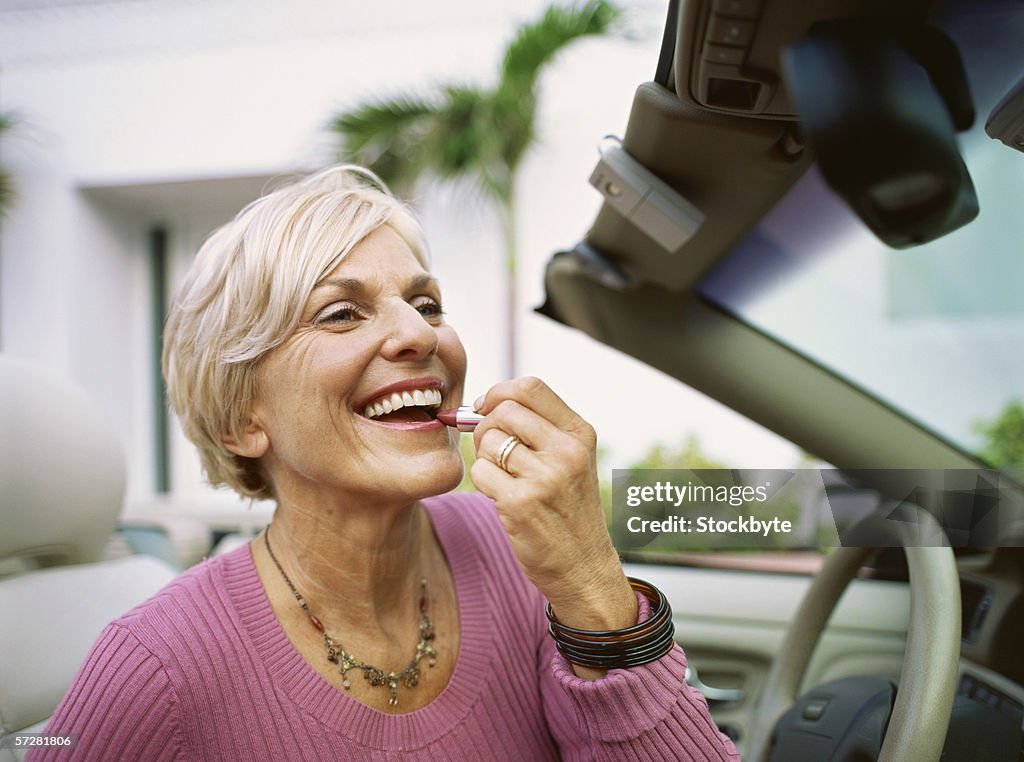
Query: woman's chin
[424, 475]
[445, 478]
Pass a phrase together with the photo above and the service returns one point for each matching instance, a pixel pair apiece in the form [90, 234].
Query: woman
[307, 354]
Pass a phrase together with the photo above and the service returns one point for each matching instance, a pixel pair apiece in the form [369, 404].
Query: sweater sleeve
[644, 713]
[641, 713]
[119, 706]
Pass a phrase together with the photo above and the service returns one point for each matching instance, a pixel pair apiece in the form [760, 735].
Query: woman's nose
[409, 336]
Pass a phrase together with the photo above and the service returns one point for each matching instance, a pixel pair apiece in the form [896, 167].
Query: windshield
[936, 331]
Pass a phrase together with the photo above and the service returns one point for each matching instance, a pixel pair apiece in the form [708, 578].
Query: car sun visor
[880, 105]
[684, 186]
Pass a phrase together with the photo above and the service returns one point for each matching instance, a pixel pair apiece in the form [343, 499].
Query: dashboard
[988, 713]
[988, 716]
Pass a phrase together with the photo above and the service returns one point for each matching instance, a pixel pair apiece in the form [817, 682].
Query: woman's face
[372, 339]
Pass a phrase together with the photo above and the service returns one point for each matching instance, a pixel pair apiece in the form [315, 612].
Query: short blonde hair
[244, 293]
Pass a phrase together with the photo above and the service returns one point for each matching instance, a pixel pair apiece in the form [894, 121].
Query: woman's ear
[252, 443]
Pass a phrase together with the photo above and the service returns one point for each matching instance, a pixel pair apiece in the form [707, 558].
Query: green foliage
[688, 456]
[1004, 438]
[468, 450]
[538, 43]
[383, 136]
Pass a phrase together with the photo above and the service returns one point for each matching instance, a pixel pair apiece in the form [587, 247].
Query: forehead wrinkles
[376, 283]
[383, 257]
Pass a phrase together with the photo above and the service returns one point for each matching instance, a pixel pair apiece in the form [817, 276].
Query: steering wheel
[924, 701]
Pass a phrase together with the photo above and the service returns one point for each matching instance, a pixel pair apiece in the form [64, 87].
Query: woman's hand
[548, 500]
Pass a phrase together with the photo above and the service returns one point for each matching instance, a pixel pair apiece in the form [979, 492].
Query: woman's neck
[353, 563]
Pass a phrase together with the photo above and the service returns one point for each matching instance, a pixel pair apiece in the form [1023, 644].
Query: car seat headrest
[61, 469]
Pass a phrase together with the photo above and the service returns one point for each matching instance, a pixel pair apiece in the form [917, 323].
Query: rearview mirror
[880, 105]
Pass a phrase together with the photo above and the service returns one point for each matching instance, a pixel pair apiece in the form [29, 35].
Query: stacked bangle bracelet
[617, 649]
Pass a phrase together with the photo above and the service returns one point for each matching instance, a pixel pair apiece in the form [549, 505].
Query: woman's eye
[340, 313]
[429, 308]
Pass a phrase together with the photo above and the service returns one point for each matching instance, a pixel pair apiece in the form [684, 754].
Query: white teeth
[398, 400]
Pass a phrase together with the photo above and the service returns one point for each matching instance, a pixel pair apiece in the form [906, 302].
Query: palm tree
[473, 133]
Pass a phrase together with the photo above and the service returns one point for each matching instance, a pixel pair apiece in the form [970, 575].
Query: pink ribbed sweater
[203, 670]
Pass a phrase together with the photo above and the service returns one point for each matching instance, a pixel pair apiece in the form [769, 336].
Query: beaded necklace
[336, 654]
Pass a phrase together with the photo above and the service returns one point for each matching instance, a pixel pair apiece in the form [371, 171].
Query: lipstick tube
[463, 418]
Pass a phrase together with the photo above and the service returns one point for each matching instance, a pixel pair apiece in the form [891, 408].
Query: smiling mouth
[412, 406]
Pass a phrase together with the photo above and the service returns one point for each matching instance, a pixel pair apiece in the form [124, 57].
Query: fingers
[512, 417]
[522, 480]
[535, 395]
[559, 475]
[547, 453]
[542, 446]
[491, 480]
[529, 489]
[520, 458]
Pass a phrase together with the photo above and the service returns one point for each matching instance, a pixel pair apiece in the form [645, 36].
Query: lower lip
[434, 425]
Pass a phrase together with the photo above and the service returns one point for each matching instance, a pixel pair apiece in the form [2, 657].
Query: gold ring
[506, 447]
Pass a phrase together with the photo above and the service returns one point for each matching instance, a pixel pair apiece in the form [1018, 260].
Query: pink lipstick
[463, 418]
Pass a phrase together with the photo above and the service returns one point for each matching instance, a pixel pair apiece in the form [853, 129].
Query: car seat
[61, 491]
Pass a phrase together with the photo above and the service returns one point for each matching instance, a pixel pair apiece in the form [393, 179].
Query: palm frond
[516, 113]
[470, 141]
[388, 136]
[536, 43]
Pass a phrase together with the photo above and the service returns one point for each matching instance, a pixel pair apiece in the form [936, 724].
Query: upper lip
[405, 385]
